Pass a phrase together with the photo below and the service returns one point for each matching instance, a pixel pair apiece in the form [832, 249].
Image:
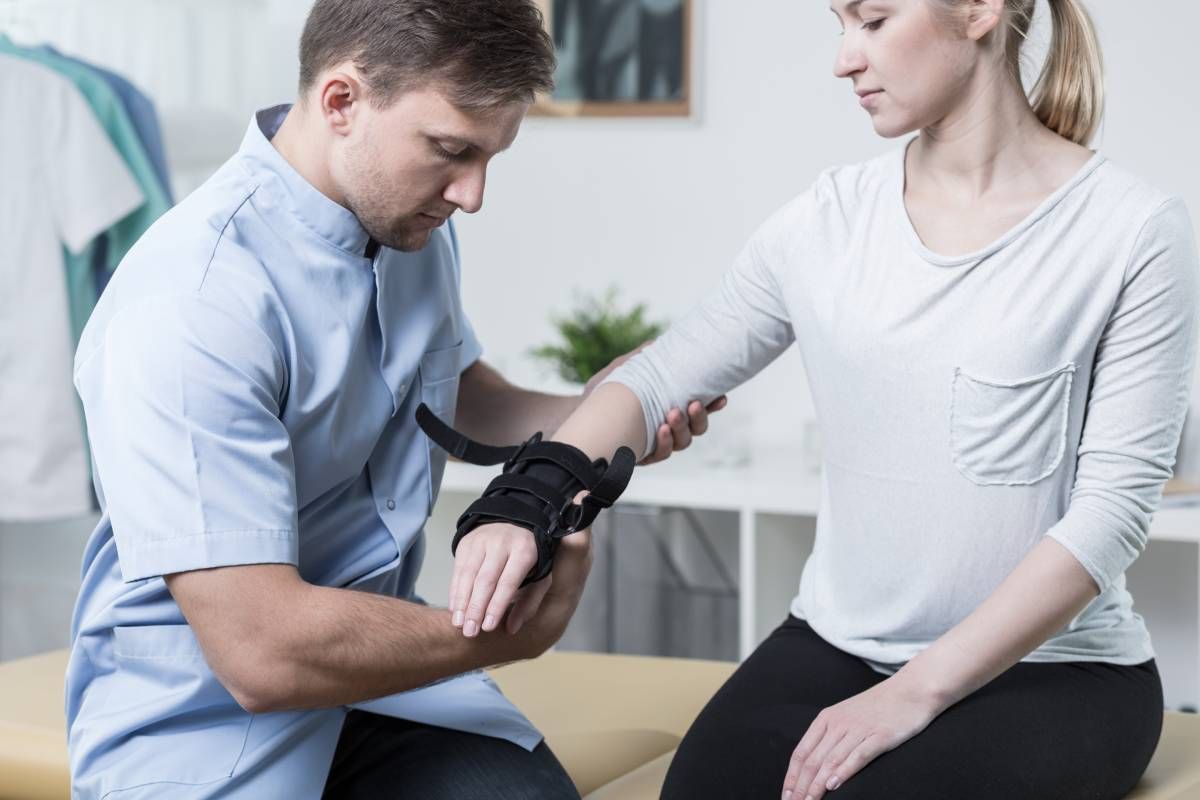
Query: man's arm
[492, 410]
[276, 642]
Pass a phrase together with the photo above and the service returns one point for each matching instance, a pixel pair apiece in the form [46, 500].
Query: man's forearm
[492, 410]
[353, 646]
[333, 646]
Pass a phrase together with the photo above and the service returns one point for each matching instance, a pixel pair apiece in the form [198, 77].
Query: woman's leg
[1068, 730]
[740, 744]
[1063, 731]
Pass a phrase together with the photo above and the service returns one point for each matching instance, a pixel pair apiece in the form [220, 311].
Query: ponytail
[1069, 94]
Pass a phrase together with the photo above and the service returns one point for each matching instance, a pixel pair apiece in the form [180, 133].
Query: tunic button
[391, 504]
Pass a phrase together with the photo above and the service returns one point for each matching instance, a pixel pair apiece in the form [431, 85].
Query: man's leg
[382, 758]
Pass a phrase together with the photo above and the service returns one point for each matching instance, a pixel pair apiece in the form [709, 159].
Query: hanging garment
[108, 109]
[64, 184]
[144, 117]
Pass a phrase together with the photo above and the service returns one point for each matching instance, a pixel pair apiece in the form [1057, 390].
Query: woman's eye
[874, 24]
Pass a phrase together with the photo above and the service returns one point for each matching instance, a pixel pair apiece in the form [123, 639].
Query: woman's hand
[490, 564]
[846, 737]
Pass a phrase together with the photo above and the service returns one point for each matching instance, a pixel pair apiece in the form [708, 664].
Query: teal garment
[111, 114]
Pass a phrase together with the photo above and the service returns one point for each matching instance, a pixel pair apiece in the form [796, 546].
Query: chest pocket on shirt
[1009, 432]
[185, 726]
[439, 390]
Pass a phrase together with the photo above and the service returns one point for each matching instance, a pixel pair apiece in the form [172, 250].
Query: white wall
[661, 208]
[658, 208]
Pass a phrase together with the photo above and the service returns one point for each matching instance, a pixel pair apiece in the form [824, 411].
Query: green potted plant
[593, 334]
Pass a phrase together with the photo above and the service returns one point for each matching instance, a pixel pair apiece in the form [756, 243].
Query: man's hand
[543, 609]
[678, 429]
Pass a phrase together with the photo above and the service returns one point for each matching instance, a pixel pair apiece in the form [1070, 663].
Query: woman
[997, 326]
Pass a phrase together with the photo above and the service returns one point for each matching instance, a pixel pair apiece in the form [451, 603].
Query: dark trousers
[1055, 731]
[381, 758]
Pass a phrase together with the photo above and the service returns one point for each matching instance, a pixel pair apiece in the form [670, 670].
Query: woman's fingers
[482, 589]
[806, 763]
[467, 560]
[830, 775]
[522, 556]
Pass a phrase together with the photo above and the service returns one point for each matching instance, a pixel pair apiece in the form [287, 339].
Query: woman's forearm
[609, 418]
[1045, 592]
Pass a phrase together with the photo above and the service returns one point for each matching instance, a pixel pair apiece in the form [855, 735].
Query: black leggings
[1056, 731]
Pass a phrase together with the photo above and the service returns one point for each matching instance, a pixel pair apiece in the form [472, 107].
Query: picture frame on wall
[620, 58]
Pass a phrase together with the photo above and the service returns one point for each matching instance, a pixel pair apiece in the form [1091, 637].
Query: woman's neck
[989, 141]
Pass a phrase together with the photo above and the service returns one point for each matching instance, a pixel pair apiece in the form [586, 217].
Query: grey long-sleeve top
[968, 405]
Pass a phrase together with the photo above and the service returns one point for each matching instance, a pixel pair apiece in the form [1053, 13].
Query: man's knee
[541, 777]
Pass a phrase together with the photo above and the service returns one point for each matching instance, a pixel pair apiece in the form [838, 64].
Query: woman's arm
[494, 411]
[734, 333]
[1046, 591]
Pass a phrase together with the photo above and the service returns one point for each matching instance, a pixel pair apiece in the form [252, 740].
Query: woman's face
[911, 68]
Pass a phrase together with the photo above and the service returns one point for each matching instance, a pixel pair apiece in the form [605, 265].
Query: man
[250, 379]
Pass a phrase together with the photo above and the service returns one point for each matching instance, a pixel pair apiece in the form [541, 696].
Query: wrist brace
[537, 488]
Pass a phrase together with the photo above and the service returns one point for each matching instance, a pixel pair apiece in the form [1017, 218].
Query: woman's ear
[983, 17]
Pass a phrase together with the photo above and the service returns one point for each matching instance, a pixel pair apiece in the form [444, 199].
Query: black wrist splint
[537, 488]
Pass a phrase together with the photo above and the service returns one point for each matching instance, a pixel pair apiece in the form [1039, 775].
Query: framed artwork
[619, 58]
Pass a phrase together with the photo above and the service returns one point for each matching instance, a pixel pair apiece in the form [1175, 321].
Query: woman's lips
[869, 99]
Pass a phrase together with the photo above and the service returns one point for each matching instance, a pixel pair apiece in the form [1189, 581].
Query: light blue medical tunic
[249, 380]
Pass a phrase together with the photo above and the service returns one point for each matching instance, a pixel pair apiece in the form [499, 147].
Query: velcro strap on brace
[537, 488]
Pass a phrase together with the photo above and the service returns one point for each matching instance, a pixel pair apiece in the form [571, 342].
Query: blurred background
[601, 193]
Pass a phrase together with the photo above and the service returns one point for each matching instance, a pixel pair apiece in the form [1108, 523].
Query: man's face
[406, 168]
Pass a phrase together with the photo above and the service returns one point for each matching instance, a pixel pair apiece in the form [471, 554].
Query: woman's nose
[849, 58]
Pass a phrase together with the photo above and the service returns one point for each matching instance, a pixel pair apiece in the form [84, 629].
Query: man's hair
[484, 53]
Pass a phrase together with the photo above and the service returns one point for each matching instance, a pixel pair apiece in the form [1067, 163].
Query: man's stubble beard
[388, 232]
[366, 197]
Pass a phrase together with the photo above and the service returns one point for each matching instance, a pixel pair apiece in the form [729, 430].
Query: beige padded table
[614, 722]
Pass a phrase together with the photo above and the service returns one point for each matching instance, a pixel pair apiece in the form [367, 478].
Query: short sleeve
[1140, 384]
[193, 462]
[90, 186]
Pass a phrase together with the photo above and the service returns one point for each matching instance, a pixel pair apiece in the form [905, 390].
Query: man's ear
[340, 94]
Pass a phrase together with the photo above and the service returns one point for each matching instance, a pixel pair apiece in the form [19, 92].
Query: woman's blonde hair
[1068, 96]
